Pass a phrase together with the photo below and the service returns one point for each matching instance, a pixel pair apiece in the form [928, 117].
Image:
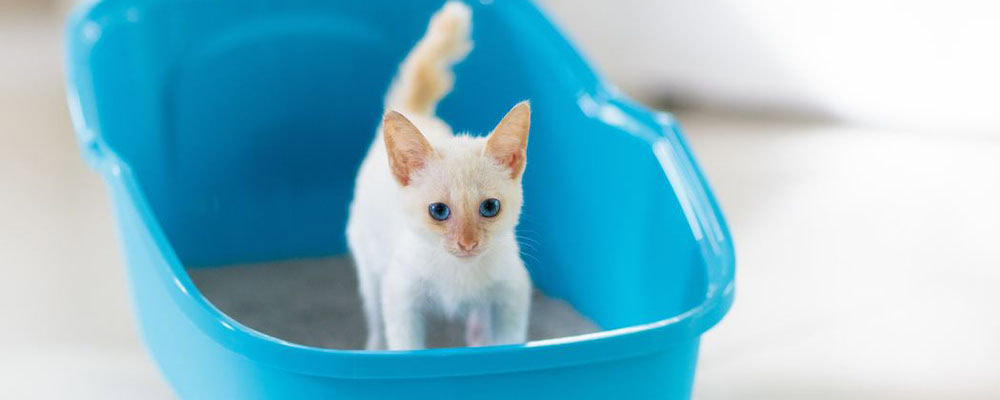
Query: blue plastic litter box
[230, 131]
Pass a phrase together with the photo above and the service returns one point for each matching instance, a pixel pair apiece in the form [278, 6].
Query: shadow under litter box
[315, 302]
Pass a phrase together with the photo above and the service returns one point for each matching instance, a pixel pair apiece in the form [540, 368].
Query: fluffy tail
[425, 76]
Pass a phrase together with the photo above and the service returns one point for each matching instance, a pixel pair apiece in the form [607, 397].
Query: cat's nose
[468, 245]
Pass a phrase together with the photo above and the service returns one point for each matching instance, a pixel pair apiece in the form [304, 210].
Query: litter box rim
[597, 101]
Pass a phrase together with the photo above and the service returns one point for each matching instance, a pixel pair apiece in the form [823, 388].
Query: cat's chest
[454, 287]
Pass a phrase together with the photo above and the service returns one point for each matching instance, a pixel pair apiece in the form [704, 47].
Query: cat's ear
[508, 142]
[407, 148]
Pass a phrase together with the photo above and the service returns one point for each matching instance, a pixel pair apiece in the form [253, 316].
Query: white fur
[407, 263]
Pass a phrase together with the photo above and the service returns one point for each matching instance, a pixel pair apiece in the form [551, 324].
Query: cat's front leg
[371, 298]
[479, 326]
[402, 313]
[513, 305]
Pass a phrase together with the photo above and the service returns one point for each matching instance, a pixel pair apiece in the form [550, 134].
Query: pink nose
[467, 246]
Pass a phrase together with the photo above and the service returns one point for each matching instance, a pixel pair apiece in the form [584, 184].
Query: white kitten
[431, 227]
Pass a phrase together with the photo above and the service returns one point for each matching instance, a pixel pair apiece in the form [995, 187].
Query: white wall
[927, 65]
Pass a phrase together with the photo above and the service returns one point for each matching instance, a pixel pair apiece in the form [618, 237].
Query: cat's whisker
[523, 232]
[531, 258]
[526, 238]
[528, 243]
[529, 255]
[525, 246]
[528, 248]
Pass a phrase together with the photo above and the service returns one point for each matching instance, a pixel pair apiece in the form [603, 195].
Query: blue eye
[489, 208]
[439, 211]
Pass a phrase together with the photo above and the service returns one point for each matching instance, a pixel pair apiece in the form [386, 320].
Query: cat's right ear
[407, 148]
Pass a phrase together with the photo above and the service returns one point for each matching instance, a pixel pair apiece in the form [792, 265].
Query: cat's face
[466, 191]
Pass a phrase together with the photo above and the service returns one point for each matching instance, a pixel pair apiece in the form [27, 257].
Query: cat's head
[463, 191]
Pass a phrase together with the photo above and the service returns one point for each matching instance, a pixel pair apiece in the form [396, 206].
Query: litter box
[229, 133]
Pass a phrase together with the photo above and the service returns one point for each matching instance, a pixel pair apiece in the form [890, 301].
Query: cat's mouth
[466, 254]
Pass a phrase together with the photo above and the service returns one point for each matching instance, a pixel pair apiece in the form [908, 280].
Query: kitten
[431, 227]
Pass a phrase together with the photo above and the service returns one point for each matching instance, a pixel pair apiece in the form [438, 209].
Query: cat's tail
[425, 76]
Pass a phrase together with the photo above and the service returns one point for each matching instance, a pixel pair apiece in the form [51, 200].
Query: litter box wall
[230, 131]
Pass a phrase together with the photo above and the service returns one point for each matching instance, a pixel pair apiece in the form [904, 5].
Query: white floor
[66, 330]
[868, 260]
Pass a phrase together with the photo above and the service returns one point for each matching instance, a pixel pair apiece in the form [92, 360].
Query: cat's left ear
[508, 142]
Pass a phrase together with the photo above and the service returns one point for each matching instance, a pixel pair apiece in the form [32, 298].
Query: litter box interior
[245, 137]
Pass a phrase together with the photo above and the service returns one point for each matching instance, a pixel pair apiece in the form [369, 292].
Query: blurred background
[854, 146]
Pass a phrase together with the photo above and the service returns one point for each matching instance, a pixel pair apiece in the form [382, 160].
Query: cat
[431, 225]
